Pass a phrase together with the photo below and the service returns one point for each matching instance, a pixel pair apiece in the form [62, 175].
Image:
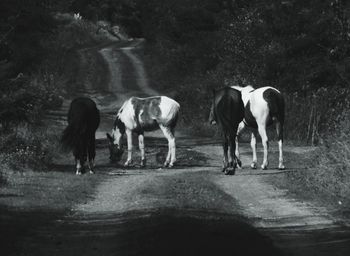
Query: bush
[27, 148]
[25, 99]
[312, 118]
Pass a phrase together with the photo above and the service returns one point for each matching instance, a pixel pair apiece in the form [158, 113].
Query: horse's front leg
[129, 141]
[142, 150]
[172, 146]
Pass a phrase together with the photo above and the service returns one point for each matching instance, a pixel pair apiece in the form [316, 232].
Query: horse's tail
[276, 104]
[229, 113]
[72, 135]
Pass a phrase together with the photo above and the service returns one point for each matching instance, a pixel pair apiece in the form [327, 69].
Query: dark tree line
[295, 45]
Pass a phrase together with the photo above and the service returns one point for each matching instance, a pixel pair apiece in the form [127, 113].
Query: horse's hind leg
[279, 129]
[78, 164]
[231, 157]
[265, 142]
[171, 157]
[91, 153]
[225, 151]
[240, 128]
[253, 146]
[142, 150]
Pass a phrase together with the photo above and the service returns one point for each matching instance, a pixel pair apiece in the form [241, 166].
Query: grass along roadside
[319, 182]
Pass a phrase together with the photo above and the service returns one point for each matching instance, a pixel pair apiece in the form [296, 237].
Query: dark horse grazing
[227, 111]
[79, 135]
[138, 115]
[263, 107]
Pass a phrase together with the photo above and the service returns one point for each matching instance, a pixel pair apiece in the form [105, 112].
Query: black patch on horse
[275, 102]
[249, 119]
[120, 125]
[145, 111]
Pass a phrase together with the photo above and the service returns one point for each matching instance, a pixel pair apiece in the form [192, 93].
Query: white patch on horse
[245, 91]
[140, 115]
[169, 109]
[127, 114]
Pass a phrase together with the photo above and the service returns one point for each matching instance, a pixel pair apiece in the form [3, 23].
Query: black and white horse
[138, 115]
[263, 107]
[227, 111]
[79, 135]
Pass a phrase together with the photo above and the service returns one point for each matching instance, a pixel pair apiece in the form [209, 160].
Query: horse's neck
[126, 114]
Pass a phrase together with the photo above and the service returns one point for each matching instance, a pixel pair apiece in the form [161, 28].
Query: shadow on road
[161, 232]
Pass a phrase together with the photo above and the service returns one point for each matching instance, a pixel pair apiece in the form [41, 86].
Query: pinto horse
[263, 107]
[79, 135]
[227, 111]
[138, 115]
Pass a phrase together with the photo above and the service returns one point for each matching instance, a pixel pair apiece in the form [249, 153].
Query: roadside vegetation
[38, 63]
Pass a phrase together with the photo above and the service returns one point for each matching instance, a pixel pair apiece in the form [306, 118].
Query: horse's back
[83, 121]
[84, 111]
[148, 113]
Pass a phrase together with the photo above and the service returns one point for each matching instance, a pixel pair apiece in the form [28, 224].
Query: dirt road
[192, 209]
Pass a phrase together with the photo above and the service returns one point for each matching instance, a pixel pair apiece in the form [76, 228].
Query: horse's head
[114, 141]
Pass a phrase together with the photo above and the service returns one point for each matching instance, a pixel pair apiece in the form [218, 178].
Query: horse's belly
[149, 125]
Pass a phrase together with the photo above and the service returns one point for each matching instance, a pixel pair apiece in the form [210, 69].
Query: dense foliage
[36, 47]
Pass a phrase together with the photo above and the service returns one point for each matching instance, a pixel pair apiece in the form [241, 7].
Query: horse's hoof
[143, 163]
[166, 164]
[229, 171]
[91, 172]
[264, 167]
[239, 163]
[170, 165]
[281, 167]
[128, 163]
[253, 166]
[78, 173]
